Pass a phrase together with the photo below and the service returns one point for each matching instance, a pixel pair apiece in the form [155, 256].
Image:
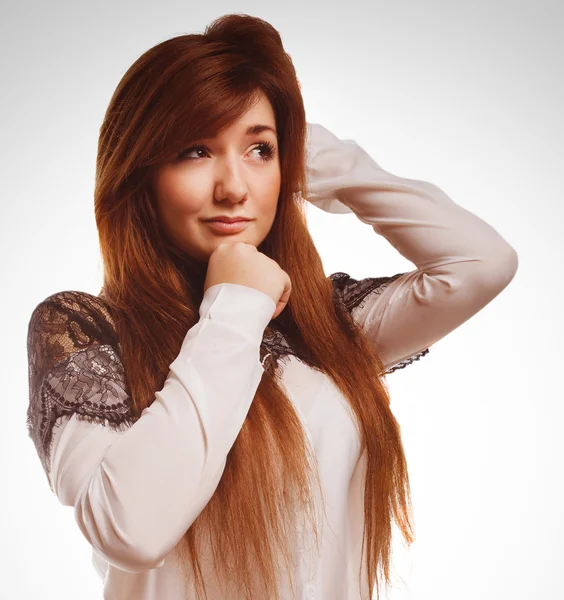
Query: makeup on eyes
[267, 147]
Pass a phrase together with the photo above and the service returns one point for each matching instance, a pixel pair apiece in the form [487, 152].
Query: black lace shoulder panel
[74, 368]
[353, 294]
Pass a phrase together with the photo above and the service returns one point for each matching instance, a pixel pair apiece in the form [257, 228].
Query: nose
[230, 183]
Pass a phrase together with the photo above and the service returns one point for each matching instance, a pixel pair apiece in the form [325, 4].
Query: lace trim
[353, 294]
[275, 349]
[89, 385]
[406, 361]
[73, 370]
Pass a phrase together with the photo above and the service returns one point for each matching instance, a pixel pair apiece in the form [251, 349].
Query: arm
[462, 262]
[137, 487]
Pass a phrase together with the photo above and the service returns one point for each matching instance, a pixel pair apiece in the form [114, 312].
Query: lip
[229, 219]
[224, 228]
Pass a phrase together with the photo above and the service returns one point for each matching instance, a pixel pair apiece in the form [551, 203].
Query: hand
[243, 264]
[326, 154]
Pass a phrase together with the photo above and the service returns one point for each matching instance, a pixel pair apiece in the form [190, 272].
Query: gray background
[467, 96]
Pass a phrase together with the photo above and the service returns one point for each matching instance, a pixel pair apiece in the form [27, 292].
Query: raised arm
[462, 262]
[138, 484]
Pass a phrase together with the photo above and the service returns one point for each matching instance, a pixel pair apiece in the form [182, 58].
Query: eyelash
[270, 151]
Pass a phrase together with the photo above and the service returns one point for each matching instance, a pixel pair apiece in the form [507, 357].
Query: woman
[187, 410]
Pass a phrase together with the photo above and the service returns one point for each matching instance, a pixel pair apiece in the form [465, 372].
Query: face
[236, 174]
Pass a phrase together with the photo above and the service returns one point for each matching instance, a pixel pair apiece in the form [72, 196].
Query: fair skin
[234, 175]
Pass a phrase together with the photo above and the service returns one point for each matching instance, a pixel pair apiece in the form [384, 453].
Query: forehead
[259, 119]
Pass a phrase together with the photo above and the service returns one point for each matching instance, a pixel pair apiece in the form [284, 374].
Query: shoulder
[73, 306]
[69, 321]
[352, 293]
[74, 368]
[72, 300]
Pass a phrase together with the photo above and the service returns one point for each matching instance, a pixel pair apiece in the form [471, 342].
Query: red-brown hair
[190, 87]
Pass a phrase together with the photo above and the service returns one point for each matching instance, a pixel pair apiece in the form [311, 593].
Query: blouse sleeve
[362, 300]
[137, 484]
[462, 262]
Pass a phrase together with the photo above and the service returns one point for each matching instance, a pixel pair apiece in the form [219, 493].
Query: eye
[197, 148]
[268, 150]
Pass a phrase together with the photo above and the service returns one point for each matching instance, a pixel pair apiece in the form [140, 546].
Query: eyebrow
[253, 130]
[256, 129]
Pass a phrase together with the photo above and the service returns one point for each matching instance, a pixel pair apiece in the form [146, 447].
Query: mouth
[229, 219]
[225, 227]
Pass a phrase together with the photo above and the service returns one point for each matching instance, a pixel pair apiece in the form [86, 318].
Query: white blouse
[136, 485]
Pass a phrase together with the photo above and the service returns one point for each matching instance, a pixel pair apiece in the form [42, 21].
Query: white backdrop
[468, 96]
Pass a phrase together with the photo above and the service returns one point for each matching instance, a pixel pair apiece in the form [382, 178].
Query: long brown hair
[185, 88]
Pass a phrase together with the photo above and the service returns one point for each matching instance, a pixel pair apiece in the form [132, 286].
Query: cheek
[174, 195]
[267, 209]
[270, 191]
